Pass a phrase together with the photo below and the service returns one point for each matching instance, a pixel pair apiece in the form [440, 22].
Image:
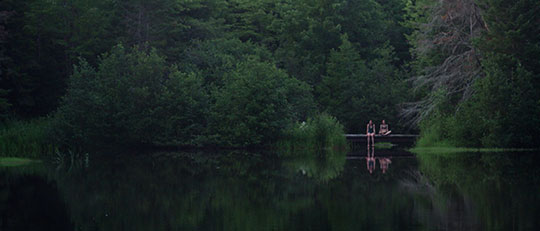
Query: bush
[323, 132]
[133, 97]
[256, 103]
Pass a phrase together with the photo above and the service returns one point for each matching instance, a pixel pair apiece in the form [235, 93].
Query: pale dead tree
[448, 33]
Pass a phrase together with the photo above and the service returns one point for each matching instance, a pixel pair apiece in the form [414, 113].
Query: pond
[241, 190]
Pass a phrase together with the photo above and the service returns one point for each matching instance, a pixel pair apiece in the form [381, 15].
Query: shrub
[256, 103]
[133, 97]
[323, 132]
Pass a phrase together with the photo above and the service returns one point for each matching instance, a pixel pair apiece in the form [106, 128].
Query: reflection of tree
[495, 188]
[361, 201]
[30, 202]
[322, 166]
[247, 191]
[185, 192]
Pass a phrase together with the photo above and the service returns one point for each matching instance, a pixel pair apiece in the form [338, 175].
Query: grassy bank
[15, 161]
[436, 139]
[26, 139]
[450, 149]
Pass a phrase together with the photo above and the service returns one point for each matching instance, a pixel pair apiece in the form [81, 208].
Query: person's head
[370, 122]
[383, 122]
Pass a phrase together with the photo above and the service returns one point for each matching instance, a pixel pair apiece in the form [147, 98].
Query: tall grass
[320, 133]
[25, 139]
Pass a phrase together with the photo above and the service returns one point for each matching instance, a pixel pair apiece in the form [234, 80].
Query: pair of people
[370, 131]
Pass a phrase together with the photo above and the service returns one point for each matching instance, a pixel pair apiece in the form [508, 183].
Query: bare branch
[449, 33]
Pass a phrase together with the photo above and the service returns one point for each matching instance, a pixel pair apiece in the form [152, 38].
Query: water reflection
[322, 166]
[478, 191]
[385, 162]
[370, 160]
[384, 159]
[258, 191]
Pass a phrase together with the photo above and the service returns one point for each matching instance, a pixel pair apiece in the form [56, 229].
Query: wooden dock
[392, 138]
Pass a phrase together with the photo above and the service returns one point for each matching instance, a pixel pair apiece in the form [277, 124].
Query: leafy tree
[169, 25]
[249, 21]
[45, 39]
[307, 31]
[256, 103]
[511, 47]
[394, 18]
[214, 58]
[343, 91]
[133, 97]
[356, 91]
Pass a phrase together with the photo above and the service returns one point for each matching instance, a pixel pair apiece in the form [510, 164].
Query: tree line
[235, 72]
[239, 73]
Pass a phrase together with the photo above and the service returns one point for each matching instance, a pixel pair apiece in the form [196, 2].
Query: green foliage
[500, 113]
[289, 58]
[133, 97]
[503, 107]
[27, 139]
[356, 91]
[503, 111]
[215, 58]
[307, 31]
[44, 39]
[317, 134]
[255, 104]
[170, 26]
[488, 179]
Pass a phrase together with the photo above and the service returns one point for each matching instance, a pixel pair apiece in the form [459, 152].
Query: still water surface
[237, 190]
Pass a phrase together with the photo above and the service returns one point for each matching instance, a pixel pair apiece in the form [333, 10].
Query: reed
[26, 139]
[317, 134]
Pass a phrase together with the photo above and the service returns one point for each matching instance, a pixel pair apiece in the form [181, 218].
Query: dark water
[234, 190]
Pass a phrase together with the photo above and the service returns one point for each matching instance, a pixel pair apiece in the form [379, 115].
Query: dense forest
[242, 73]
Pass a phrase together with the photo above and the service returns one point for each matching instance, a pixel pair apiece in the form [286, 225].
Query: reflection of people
[383, 130]
[370, 160]
[384, 162]
[370, 132]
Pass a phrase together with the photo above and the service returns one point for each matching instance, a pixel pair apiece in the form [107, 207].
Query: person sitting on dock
[370, 132]
[383, 130]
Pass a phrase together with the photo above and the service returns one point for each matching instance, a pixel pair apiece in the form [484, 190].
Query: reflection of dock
[357, 142]
[392, 157]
